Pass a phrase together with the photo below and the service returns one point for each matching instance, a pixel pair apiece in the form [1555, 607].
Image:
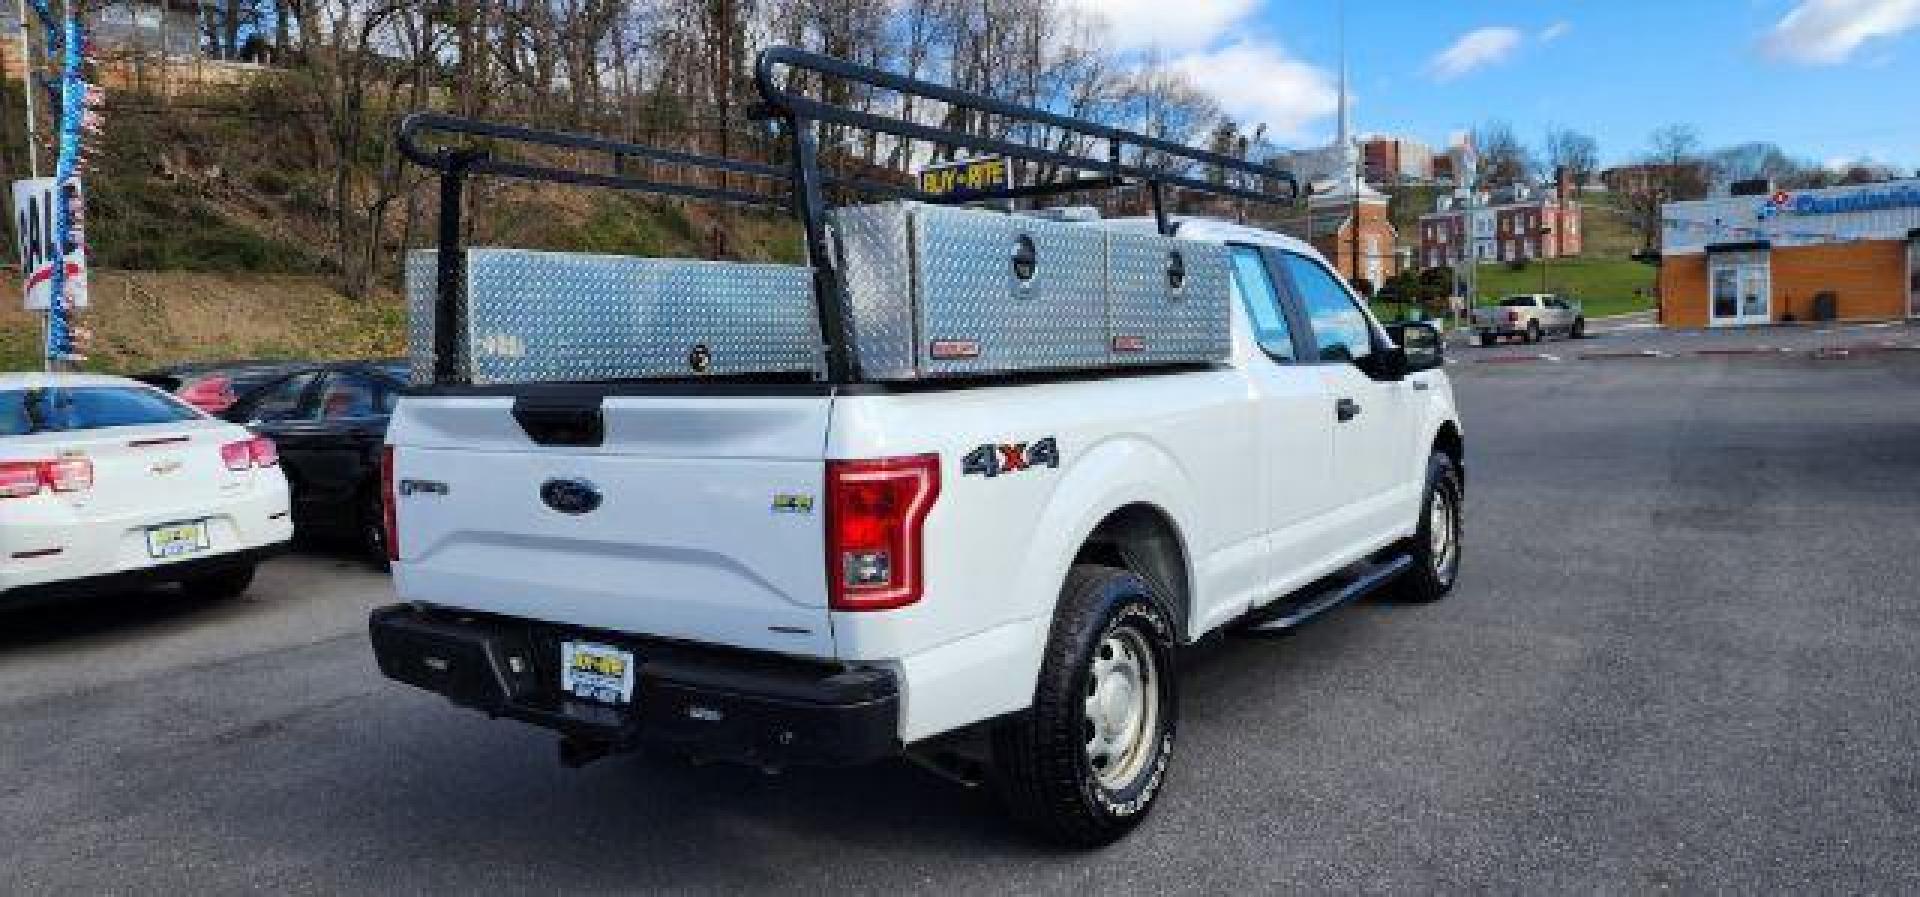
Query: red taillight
[1513, 317]
[263, 451]
[256, 452]
[237, 455]
[69, 474]
[875, 509]
[388, 507]
[25, 479]
[19, 479]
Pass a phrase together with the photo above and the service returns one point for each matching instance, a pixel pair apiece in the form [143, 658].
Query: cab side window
[1341, 331]
[1255, 289]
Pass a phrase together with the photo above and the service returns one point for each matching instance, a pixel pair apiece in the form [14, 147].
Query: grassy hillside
[225, 211]
[1603, 286]
[141, 320]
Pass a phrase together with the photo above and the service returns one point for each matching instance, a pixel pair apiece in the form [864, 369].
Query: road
[1682, 655]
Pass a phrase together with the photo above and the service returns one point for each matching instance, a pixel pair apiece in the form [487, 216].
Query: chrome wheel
[1122, 707]
[1443, 534]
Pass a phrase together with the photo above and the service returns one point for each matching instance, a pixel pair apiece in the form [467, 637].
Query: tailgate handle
[550, 422]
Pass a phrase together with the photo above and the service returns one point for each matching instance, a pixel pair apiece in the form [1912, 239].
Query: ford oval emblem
[570, 496]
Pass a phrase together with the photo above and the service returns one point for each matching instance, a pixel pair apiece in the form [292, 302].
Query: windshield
[24, 412]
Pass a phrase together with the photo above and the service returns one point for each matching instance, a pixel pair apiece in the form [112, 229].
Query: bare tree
[1576, 153]
[1504, 160]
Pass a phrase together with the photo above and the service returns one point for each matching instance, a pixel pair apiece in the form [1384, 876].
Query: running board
[1281, 622]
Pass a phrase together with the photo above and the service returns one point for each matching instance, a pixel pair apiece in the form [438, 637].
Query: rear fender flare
[1108, 476]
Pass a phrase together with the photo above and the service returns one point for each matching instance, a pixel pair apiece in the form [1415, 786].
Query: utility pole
[26, 90]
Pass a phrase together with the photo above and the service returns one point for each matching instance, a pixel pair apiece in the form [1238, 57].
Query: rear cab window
[61, 409]
[1518, 302]
[1256, 292]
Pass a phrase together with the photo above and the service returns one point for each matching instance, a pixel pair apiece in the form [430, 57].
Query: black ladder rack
[802, 180]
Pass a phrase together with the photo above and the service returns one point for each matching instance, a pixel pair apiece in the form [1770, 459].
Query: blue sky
[1828, 80]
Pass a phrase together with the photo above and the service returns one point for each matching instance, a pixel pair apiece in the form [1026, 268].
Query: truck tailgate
[707, 525]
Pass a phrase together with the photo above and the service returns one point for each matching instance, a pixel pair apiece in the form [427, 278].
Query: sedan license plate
[596, 672]
[175, 539]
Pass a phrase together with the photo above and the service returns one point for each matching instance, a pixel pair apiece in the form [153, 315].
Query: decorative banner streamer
[78, 116]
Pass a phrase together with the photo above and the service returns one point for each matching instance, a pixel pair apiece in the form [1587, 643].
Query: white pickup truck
[1533, 317]
[992, 576]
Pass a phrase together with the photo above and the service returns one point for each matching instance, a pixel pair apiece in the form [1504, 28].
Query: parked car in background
[213, 386]
[108, 483]
[329, 420]
[1533, 317]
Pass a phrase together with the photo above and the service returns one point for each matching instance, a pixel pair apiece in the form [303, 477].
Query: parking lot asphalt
[1682, 654]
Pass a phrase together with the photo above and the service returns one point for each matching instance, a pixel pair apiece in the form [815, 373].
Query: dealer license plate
[596, 672]
[176, 539]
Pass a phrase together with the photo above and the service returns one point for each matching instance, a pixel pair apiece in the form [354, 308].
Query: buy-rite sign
[970, 175]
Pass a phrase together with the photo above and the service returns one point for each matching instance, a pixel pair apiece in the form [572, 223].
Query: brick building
[1509, 225]
[1393, 160]
[1842, 252]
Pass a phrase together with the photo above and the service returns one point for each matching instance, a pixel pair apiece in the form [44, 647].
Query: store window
[1742, 288]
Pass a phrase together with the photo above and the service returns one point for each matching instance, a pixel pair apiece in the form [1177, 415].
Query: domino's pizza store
[1840, 253]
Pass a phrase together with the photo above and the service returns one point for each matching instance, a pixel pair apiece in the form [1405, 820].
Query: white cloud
[1476, 49]
[1259, 83]
[1826, 32]
[1555, 32]
[1171, 26]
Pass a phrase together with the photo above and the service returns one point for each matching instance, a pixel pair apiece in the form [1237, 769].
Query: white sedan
[106, 483]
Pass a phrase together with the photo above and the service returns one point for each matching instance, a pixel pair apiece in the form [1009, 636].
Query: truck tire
[1579, 329]
[1083, 765]
[1435, 546]
[1533, 332]
[222, 586]
[1487, 340]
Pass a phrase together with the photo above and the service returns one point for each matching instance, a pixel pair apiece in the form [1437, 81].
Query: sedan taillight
[248, 453]
[19, 479]
[25, 479]
[69, 474]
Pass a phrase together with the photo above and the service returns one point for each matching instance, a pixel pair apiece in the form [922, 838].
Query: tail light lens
[69, 474]
[237, 455]
[388, 507]
[875, 510]
[19, 479]
[256, 452]
[25, 479]
[263, 451]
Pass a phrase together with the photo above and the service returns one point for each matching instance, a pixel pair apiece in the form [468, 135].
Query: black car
[213, 386]
[330, 421]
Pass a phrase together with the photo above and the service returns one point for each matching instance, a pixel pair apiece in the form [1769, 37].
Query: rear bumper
[716, 703]
[126, 580]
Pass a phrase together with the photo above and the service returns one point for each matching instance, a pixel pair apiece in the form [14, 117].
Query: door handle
[1346, 410]
[1420, 385]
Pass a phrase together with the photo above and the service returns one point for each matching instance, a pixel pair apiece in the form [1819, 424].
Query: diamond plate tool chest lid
[554, 316]
[939, 291]
[1167, 299]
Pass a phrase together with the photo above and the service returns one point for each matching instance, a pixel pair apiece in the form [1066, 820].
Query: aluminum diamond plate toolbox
[987, 293]
[1167, 299]
[555, 316]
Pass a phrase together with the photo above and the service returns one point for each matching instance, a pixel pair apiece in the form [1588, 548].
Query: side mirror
[1422, 348]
